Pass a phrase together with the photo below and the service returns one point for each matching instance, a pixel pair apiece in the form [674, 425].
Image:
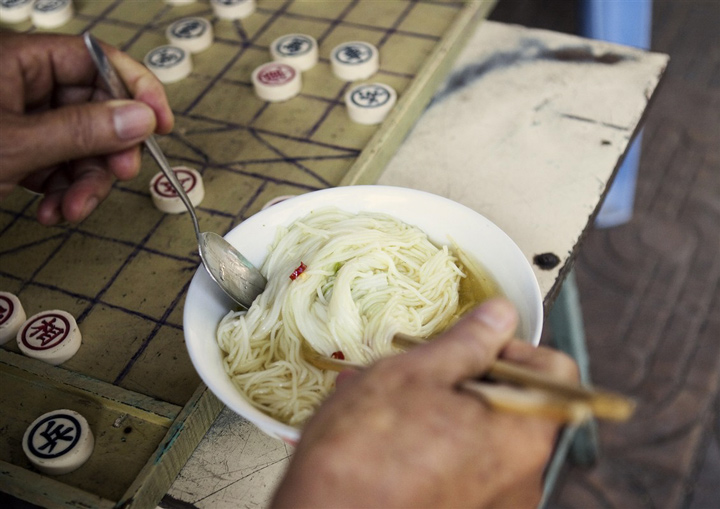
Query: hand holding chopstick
[405, 432]
[523, 391]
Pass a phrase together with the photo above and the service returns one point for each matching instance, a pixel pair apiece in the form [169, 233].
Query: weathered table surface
[528, 130]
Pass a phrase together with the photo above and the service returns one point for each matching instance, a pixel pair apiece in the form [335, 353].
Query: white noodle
[368, 277]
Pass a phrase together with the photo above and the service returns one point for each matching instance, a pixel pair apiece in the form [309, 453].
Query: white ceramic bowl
[439, 217]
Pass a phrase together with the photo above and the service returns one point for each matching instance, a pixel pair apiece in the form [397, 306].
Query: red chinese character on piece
[6, 309]
[277, 74]
[164, 188]
[47, 331]
[169, 189]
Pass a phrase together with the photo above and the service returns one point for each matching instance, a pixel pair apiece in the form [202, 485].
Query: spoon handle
[162, 162]
[110, 77]
[118, 90]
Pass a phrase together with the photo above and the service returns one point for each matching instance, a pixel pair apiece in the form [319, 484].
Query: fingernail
[497, 315]
[133, 121]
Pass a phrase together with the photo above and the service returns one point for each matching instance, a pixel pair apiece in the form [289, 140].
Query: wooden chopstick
[532, 392]
[529, 401]
[604, 404]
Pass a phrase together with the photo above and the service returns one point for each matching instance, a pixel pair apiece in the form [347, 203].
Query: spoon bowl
[232, 272]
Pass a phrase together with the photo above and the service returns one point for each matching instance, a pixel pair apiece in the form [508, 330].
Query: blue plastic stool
[626, 22]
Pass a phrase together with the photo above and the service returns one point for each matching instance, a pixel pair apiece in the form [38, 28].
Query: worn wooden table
[528, 130]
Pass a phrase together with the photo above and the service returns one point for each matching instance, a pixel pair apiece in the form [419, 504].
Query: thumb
[468, 348]
[78, 131]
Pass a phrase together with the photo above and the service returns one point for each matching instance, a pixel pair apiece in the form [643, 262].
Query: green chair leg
[552, 472]
[579, 443]
[566, 322]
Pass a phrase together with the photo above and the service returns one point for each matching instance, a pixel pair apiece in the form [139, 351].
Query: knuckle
[80, 130]
[564, 366]
[396, 372]
[14, 148]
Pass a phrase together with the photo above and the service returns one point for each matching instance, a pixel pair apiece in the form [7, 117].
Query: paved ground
[650, 289]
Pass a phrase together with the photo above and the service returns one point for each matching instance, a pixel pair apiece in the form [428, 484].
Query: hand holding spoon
[226, 265]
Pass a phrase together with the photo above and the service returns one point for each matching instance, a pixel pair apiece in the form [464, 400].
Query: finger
[72, 194]
[125, 165]
[35, 181]
[143, 86]
[469, 347]
[547, 360]
[62, 60]
[91, 183]
[344, 376]
[33, 65]
[49, 211]
[74, 132]
[78, 95]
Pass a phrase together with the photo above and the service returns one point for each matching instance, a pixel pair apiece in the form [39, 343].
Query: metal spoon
[231, 270]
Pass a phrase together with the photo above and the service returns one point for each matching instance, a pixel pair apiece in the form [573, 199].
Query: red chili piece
[338, 355]
[298, 271]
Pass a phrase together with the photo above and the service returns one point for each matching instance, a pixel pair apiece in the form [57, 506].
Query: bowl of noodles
[347, 269]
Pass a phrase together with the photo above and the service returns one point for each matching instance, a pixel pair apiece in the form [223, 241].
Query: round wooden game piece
[233, 9]
[50, 336]
[169, 63]
[298, 50]
[52, 13]
[191, 34]
[275, 81]
[370, 104]
[58, 442]
[15, 11]
[277, 200]
[12, 316]
[354, 60]
[167, 200]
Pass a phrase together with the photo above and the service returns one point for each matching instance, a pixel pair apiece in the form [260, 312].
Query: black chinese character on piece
[49, 5]
[295, 46]
[354, 54]
[370, 96]
[166, 57]
[53, 433]
[189, 29]
[13, 3]
[53, 436]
